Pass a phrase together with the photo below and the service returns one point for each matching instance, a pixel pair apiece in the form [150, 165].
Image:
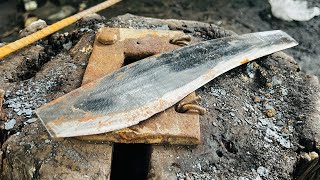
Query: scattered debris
[87, 50]
[67, 46]
[218, 92]
[26, 99]
[32, 120]
[257, 99]
[290, 10]
[33, 27]
[10, 124]
[262, 171]
[30, 5]
[270, 111]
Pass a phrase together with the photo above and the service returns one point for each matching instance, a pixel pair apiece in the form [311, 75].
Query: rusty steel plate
[109, 55]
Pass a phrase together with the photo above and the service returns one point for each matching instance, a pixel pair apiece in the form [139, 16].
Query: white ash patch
[30, 95]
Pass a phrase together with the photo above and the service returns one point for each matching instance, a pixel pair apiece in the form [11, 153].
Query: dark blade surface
[142, 89]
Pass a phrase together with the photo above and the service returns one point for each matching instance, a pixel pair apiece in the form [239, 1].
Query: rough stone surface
[32, 154]
[29, 152]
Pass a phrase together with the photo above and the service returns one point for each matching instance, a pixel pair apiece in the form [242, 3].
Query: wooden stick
[23, 42]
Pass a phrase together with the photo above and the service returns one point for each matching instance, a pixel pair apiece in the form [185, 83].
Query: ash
[30, 95]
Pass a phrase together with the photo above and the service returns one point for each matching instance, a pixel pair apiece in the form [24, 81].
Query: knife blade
[140, 90]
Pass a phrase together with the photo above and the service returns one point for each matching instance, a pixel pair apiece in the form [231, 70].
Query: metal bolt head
[107, 37]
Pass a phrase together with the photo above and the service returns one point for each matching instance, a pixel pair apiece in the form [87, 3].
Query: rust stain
[245, 60]
[87, 118]
[57, 121]
[103, 124]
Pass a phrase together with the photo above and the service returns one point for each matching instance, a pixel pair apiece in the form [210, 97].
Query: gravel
[10, 124]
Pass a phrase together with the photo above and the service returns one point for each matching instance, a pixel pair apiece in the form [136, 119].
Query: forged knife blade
[138, 91]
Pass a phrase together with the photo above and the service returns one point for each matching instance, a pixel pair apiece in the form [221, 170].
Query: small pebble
[269, 85]
[271, 134]
[258, 178]
[270, 112]
[67, 46]
[28, 111]
[268, 140]
[266, 146]
[262, 171]
[256, 99]
[223, 92]
[32, 120]
[285, 143]
[264, 122]
[276, 81]
[250, 70]
[284, 92]
[30, 5]
[164, 27]
[10, 124]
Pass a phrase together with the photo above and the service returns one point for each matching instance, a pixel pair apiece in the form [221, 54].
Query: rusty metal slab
[111, 47]
[142, 89]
